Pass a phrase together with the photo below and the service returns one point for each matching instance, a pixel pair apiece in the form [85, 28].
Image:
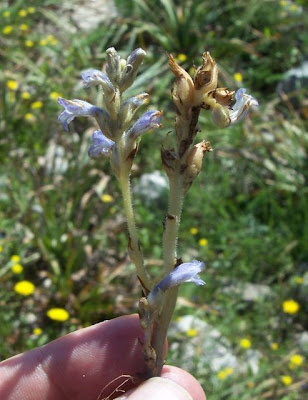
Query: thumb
[157, 388]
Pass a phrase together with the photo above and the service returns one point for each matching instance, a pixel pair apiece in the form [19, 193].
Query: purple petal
[101, 145]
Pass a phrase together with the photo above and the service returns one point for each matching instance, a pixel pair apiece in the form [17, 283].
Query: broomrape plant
[118, 138]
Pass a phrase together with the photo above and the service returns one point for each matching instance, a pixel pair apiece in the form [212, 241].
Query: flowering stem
[170, 239]
[133, 246]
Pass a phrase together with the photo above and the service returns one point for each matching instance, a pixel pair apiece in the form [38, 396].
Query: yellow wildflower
[1, 249]
[12, 85]
[6, 14]
[37, 331]
[17, 269]
[290, 306]
[15, 258]
[106, 198]
[29, 43]
[31, 10]
[29, 117]
[22, 13]
[51, 39]
[296, 361]
[238, 77]
[36, 105]
[245, 343]
[274, 346]
[203, 242]
[57, 314]
[299, 280]
[25, 288]
[25, 95]
[23, 27]
[54, 96]
[223, 374]
[43, 42]
[286, 380]
[192, 332]
[7, 29]
[193, 230]
[181, 57]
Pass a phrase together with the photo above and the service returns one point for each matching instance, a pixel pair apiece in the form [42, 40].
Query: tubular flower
[76, 108]
[101, 145]
[150, 119]
[94, 77]
[187, 272]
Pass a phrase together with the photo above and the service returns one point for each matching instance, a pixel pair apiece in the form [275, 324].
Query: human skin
[93, 363]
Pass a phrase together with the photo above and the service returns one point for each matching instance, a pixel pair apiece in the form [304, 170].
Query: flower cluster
[115, 116]
[202, 91]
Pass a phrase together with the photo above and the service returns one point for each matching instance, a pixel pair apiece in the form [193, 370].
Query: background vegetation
[62, 228]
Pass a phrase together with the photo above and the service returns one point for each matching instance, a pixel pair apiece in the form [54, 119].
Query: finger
[78, 365]
[158, 388]
[174, 384]
[184, 379]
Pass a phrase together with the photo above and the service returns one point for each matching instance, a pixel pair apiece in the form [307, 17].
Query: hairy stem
[133, 246]
[170, 240]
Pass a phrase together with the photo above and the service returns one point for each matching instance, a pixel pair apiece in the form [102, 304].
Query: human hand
[90, 364]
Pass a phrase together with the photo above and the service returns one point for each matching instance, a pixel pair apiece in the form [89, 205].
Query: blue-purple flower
[101, 145]
[150, 119]
[187, 272]
[94, 77]
[76, 108]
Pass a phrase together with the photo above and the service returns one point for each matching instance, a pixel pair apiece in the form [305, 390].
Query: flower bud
[113, 66]
[132, 64]
[194, 163]
[183, 89]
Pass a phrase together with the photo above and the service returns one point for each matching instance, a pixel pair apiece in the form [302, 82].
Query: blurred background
[63, 259]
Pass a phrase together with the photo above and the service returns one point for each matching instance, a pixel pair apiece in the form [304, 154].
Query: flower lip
[75, 108]
[101, 145]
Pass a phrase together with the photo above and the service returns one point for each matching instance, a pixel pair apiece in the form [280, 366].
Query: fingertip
[184, 379]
